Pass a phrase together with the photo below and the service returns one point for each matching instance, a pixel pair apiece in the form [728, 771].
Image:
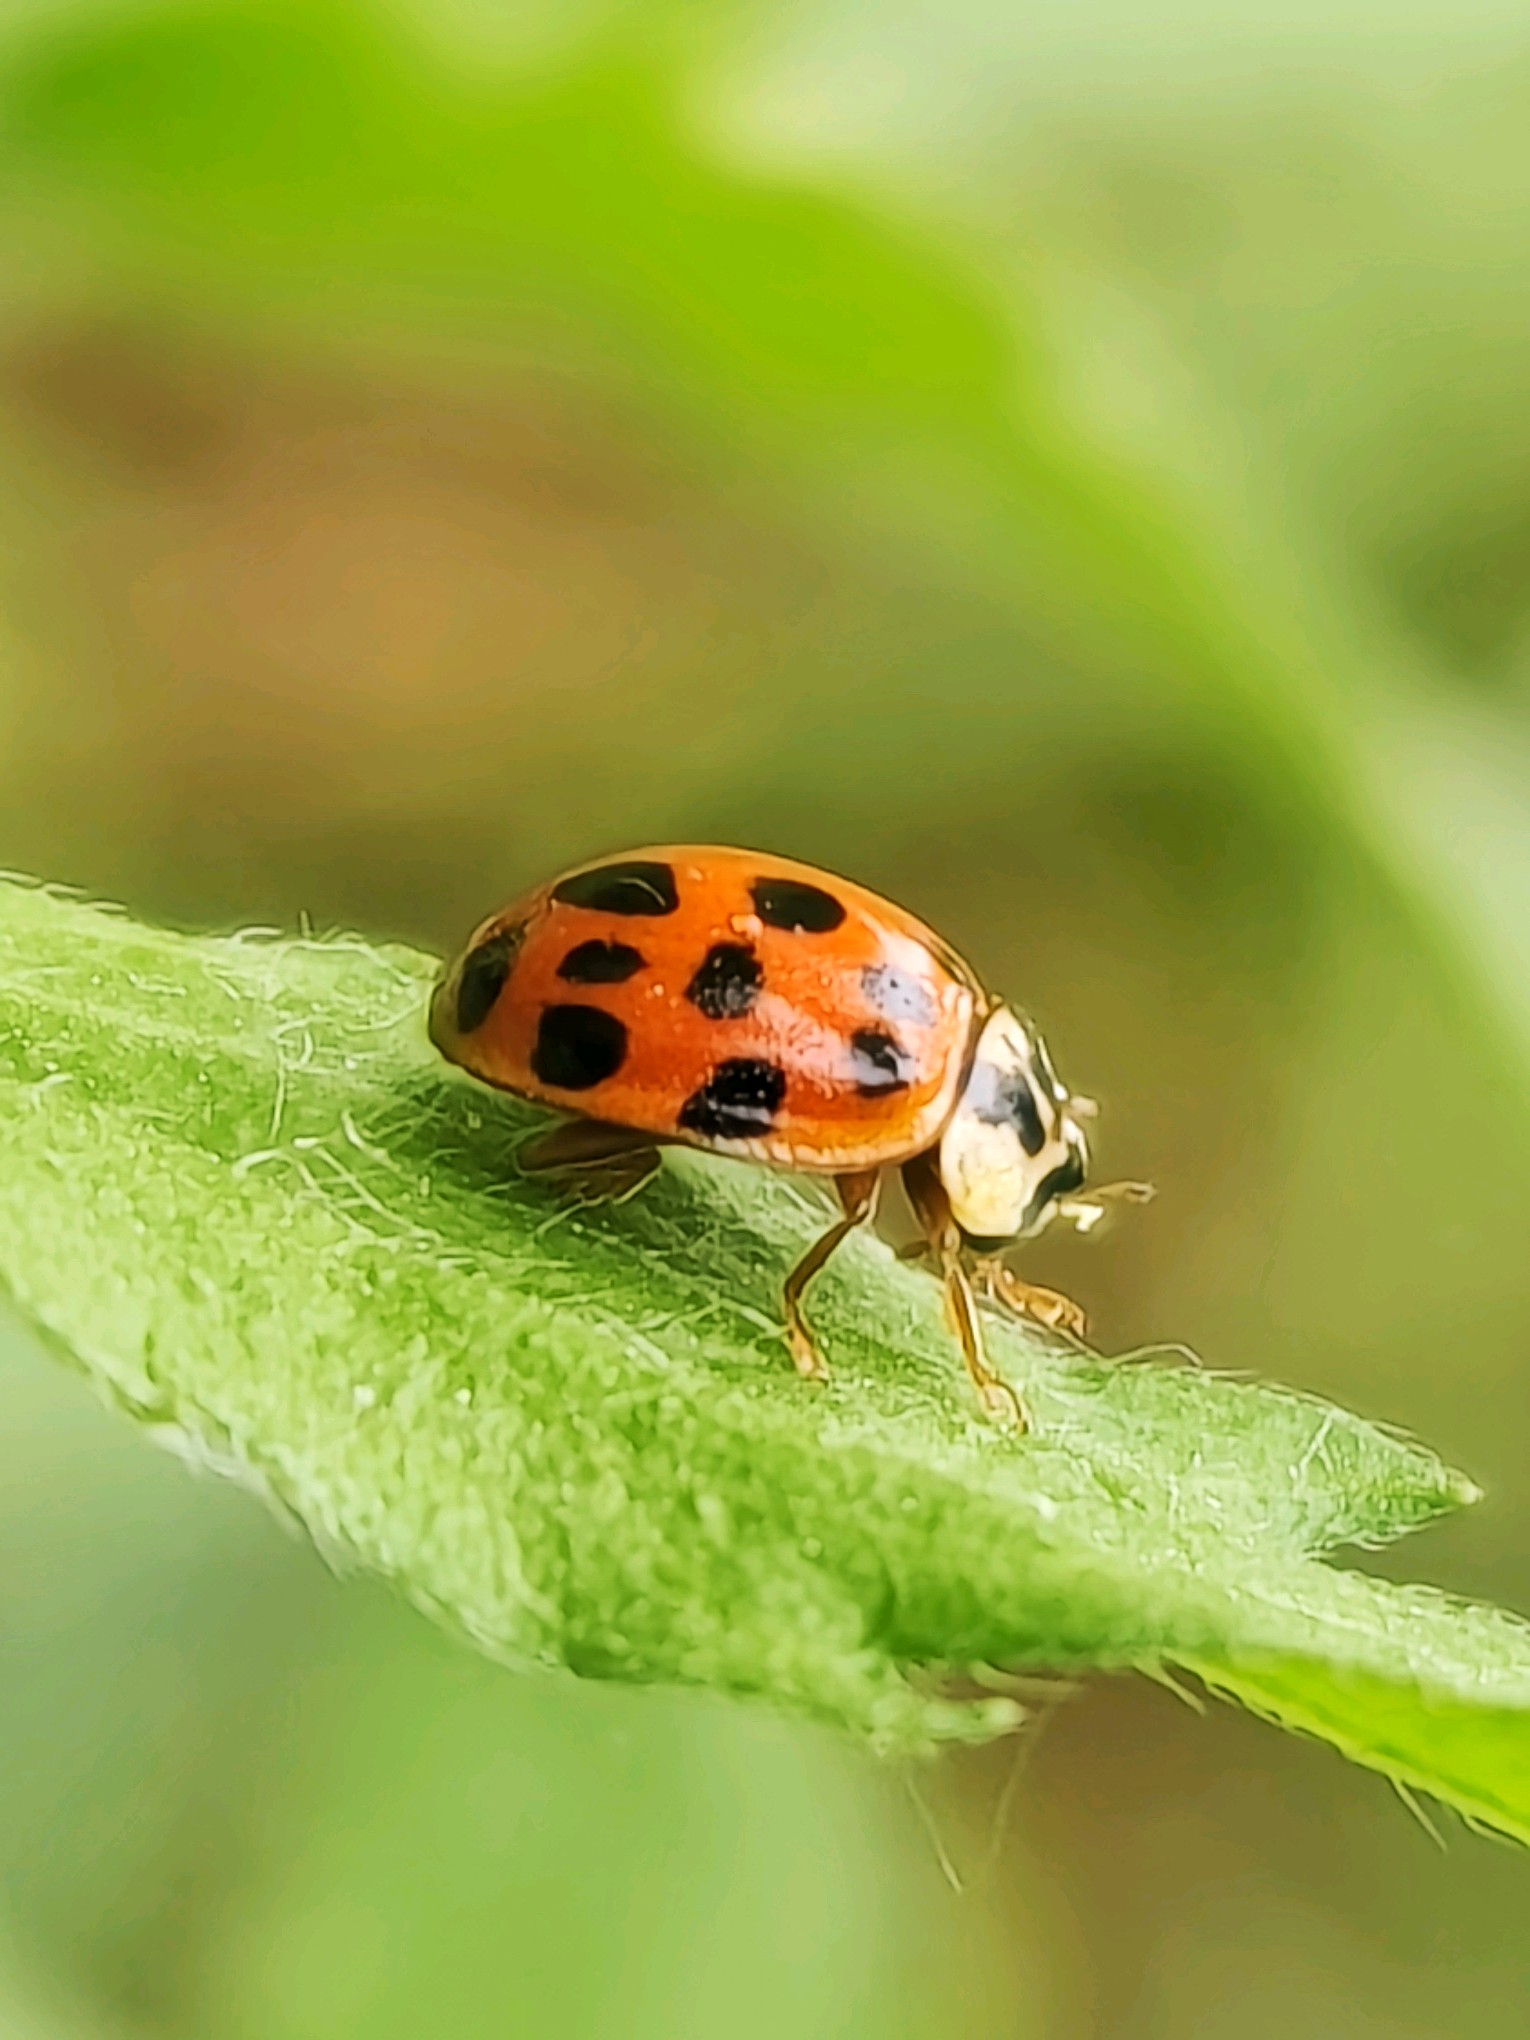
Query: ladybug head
[1013, 1154]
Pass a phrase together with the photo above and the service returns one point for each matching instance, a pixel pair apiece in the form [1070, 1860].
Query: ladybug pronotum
[755, 1007]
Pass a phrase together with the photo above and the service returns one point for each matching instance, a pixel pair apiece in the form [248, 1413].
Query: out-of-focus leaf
[1476, 1757]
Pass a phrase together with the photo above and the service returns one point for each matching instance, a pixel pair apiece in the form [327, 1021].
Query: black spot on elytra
[880, 1065]
[799, 908]
[637, 887]
[1004, 1098]
[896, 995]
[600, 963]
[483, 975]
[739, 1101]
[728, 981]
[577, 1047]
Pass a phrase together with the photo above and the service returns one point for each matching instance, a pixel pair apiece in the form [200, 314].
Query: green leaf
[1475, 1757]
[241, 1191]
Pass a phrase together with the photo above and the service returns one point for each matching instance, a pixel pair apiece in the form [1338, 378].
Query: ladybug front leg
[589, 1162]
[933, 1209]
[858, 1195]
[1047, 1307]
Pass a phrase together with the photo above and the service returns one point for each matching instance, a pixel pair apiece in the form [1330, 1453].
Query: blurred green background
[1068, 467]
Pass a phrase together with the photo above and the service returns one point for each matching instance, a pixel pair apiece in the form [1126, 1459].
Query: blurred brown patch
[310, 602]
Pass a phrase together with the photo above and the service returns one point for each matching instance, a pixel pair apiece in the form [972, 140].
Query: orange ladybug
[759, 1008]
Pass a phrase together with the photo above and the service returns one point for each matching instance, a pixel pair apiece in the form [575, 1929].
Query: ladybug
[763, 1009]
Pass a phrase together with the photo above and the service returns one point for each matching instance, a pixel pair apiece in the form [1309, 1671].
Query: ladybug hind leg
[588, 1162]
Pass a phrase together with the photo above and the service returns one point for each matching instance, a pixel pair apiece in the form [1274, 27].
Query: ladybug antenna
[1086, 1212]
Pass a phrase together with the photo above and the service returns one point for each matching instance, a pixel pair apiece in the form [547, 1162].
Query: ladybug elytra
[763, 1009]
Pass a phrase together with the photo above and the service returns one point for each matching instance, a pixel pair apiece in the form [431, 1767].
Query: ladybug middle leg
[589, 1162]
[933, 1210]
[858, 1195]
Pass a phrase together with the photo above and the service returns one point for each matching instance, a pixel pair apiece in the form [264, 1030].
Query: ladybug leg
[589, 1162]
[933, 1210]
[1047, 1307]
[858, 1195]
